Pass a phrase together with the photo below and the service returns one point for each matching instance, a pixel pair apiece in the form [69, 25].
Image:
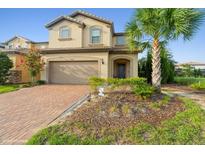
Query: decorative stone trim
[15, 76]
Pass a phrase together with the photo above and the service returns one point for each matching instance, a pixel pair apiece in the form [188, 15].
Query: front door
[121, 71]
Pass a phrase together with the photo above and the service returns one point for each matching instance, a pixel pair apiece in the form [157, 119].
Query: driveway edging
[70, 109]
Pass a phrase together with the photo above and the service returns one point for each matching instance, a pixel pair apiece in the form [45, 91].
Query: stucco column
[135, 66]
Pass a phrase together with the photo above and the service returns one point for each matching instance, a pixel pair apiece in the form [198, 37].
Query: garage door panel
[72, 72]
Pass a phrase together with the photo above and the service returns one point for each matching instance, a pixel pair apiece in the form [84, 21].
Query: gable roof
[28, 40]
[58, 19]
[90, 15]
[72, 18]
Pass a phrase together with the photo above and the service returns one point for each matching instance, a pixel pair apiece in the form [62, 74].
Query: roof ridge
[90, 14]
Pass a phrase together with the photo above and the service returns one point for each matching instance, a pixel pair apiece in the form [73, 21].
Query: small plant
[113, 108]
[96, 82]
[125, 109]
[143, 90]
[199, 85]
[163, 102]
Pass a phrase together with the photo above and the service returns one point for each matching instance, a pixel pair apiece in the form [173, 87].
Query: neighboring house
[196, 65]
[82, 45]
[1, 46]
[16, 48]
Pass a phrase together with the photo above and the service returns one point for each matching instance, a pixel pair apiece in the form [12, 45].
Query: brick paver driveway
[24, 112]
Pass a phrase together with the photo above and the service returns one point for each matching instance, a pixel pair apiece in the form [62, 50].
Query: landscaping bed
[121, 117]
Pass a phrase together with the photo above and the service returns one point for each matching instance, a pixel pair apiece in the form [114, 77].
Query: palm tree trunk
[156, 65]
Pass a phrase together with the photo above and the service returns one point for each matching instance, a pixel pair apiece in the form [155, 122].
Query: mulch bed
[122, 110]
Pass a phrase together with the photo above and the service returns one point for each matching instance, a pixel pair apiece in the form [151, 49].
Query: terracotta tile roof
[63, 18]
[81, 12]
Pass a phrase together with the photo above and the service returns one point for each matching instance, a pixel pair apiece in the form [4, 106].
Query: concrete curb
[70, 109]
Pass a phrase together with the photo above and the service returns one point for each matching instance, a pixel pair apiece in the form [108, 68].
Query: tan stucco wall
[114, 41]
[80, 37]
[133, 58]
[106, 31]
[41, 45]
[98, 56]
[105, 70]
[76, 36]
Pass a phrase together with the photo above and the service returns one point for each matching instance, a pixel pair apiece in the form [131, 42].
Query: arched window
[64, 32]
[95, 35]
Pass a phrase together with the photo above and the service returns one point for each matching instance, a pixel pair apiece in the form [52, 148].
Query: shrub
[138, 85]
[115, 82]
[5, 65]
[199, 85]
[40, 82]
[96, 82]
[143, 90]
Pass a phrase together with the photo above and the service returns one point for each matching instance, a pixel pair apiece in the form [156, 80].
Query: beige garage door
[76, 72]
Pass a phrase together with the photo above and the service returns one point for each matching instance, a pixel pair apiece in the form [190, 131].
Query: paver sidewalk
[24, 112]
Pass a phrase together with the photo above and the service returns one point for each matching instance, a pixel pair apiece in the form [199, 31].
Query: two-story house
[82, 45]
[16, 48]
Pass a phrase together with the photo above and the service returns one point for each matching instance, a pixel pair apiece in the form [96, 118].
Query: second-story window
[95, 35]
[120, 40]
[10, 46]
[64, 32]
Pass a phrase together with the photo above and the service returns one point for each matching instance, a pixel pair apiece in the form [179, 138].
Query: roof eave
[60, 19]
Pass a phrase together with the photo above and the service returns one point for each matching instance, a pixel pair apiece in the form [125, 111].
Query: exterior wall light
[102, 60]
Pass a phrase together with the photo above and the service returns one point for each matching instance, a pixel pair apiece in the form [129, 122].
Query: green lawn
[10, 87]
[196, 83]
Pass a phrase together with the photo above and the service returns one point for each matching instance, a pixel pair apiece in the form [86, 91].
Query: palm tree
[151, 27]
